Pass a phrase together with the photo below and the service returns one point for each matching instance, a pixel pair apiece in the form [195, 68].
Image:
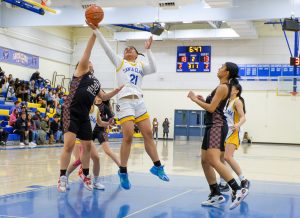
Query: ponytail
[240, 89]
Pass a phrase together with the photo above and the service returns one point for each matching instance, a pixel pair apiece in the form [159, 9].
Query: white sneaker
[87, 182]
[22, 145]
[67, 184]
[62, 183]
[213, 200]
[32, 145]
[238, 197]
[97, 184]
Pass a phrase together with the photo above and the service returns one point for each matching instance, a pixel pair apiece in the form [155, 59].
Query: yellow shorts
[131, 109]
[234, 138]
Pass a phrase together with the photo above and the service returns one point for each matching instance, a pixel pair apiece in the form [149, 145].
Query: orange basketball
[94, 14]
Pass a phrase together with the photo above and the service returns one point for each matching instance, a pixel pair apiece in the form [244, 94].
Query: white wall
[54, 51]
[269, 118]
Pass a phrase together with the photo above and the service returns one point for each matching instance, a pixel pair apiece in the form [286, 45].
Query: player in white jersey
[235, 116]
[95, 118]
[130, 107]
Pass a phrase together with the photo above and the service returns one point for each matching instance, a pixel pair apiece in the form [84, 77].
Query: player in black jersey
[214, 137]
[100, 132]
[84, 88]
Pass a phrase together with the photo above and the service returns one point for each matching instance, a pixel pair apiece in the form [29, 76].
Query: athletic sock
[123, 169]
[242, 177]
[157, 163]
[214, 189]
[233, 185]
[86, 171]
[63, 172]
[222, 181]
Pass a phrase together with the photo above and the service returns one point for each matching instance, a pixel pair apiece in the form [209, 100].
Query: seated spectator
[22, 92]
[58, 110]
[2, 78]
[32, 128]
[37, 116]
[45, 126]
[17, 105]
[3, 136]
[33, 95]
[55, 133]
[13, 117]
[247, 138]
[17, 84]
[41, 98]
[21, 128]
[24, 110]
[49, 98]
[10, 78]
[39, 81]
[41, 139]
[11, 90]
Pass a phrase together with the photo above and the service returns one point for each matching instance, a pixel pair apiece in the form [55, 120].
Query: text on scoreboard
[193, 59]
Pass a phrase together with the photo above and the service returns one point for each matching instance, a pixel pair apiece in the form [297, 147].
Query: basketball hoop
[294, 93]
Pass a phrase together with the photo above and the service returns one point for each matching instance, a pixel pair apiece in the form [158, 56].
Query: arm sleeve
[150, 67]
[114, 58]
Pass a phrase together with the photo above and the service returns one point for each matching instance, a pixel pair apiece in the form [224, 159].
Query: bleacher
[5, 107]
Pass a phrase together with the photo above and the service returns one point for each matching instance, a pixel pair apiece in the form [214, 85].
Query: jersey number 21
[133, 79]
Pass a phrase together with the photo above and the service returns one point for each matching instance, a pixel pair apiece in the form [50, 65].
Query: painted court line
[12, 216]
[160, 202]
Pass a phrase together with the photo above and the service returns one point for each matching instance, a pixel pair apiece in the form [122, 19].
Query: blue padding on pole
[286, 39]
[145, 28]
[26, 6]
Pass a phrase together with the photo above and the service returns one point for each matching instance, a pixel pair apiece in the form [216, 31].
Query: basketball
[94, 14]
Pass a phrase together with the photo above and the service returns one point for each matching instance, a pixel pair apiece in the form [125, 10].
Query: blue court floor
[150, 197]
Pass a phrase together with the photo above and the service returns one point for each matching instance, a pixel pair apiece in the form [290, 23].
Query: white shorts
[131, 109]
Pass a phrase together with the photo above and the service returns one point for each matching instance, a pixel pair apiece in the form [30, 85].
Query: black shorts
[101, 135]
[82, 129]
[214, 137]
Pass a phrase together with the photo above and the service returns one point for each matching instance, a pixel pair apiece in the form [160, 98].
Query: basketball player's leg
[215, 146]
[127, 130]
[215, 197]
[144, 125]
[76, 153]
[229, 158]
[85, 135]
[110, 153]
[69, 141]
[96, 168]
[126, 114]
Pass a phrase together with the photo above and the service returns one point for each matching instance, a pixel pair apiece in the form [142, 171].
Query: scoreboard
[193, 59]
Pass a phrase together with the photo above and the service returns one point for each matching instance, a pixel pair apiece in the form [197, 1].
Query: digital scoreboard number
[294, 61]
[193, 59]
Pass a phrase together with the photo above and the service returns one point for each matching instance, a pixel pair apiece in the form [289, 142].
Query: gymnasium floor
[28, 178]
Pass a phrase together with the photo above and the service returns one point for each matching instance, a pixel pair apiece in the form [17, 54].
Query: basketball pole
[296, 54]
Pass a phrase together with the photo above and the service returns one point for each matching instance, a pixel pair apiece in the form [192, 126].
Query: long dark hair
[240, 89]
[233, 70]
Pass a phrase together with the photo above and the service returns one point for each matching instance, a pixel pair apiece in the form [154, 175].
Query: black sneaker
[245, 184]
[224, 188]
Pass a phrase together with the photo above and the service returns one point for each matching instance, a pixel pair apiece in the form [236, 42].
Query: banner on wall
[19, 58]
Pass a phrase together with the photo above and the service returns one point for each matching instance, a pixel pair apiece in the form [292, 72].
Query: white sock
[222, 181]
[242, 177]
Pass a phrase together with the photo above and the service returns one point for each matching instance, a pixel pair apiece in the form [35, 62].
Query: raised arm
[114, 58]
[150, 67]
[83, 65]
[106, 96]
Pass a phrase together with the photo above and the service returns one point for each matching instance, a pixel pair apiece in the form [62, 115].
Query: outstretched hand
[119, 89]
[92, 26]
[148, 43]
